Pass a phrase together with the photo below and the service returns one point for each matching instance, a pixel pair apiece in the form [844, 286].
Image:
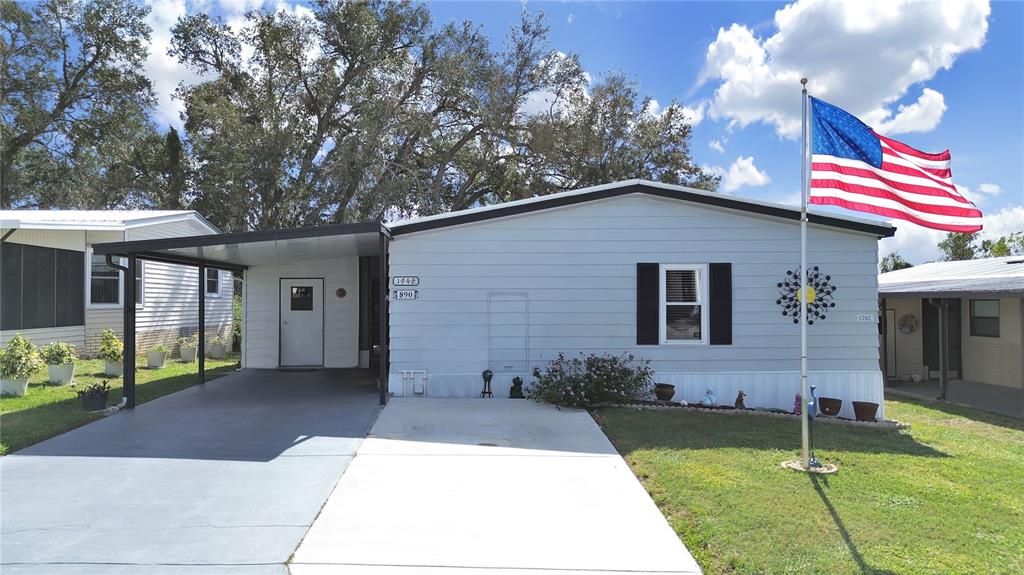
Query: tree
[1008, 245]
[893, 262]
[958, 246]
[73, 101]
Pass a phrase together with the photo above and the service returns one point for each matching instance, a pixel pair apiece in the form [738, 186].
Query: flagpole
[804, 392]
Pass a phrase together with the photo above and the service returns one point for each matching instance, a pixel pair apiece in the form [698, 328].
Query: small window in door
[302, 298]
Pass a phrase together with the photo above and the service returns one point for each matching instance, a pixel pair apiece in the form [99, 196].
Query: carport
[243, 252]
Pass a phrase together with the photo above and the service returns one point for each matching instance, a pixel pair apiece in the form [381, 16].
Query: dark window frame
[982, 325]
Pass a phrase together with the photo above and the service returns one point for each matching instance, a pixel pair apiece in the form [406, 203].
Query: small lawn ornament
[516, 391]
[709, 398]
[812, 407]
[486, 391]
[739, 400]
[797, 403]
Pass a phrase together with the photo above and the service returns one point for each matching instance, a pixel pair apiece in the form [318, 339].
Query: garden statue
[797, 404]
[709, 398]
[812, 405]
[486, 391]
[739, 400]
[516, 391]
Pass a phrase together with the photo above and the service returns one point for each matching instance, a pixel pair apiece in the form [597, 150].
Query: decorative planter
[865, 410]
[218, 351]
[187, 354]
[830, 405]
[155, 359]
[61, 374]
[17, 387]
[94, 402]
[113, 369]
[664, 391]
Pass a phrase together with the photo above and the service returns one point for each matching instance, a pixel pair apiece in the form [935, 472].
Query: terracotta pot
[865, 410]
[830, 405]
[664, 391]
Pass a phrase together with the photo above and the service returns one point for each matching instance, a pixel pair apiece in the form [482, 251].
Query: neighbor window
[105, 287]
[213, 282]
[682, 301]
[985, 317]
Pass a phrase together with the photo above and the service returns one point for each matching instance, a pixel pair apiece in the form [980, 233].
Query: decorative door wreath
[819, 295]
[907, 324]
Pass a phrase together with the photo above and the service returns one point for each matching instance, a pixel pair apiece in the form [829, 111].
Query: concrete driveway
[224, 478]
[488, 486]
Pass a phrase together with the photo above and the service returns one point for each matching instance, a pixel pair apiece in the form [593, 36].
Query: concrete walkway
[224, 478]
[456, 486]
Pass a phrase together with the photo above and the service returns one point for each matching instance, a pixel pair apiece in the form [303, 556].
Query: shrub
[161, 348]
[111, 347]
[190, 341]
[236, 316]
[219, 339]
[586, 380]
[58, 353]
[93, 389]
[19, 359]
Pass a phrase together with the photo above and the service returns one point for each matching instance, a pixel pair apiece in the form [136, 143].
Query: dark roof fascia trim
[189, 261]
[155, 245]
[722, 201]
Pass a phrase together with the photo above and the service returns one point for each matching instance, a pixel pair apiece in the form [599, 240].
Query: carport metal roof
[237, 251]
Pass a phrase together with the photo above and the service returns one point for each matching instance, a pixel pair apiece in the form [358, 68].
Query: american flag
[855, 168]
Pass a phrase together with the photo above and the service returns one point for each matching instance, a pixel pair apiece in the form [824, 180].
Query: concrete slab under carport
[488, 486]
[222, 478]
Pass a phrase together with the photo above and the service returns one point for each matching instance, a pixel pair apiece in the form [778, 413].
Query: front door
[302, 322]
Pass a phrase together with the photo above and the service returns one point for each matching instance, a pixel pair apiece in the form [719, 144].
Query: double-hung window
[985, 317]
[683, 299]
[105, 289]
[212, 282]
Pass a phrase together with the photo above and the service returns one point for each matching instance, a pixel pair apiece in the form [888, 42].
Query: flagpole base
[821, 469]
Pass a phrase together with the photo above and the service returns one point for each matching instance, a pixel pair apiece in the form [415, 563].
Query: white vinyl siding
[577, 264]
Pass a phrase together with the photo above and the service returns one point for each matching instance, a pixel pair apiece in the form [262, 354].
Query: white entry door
[302, 322]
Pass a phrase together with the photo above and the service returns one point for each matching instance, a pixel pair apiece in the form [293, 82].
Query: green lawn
[48, 410]
[946, 496]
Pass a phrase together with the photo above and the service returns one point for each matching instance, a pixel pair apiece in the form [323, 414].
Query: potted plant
[865, 410]
[18, 361]
[156, 356]
[664, 391]
[93, 396]
[112, 352]
[218, 347]
[187, 348]
[830, 405]
[60, 361]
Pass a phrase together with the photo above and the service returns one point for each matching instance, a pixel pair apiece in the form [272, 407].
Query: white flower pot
[188, 354]
[218, 351]
[155, 359]
[14, 386]
[61, 374]
[114, 369]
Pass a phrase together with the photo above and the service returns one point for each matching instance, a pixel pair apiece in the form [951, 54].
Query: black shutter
[720, 288]
[647, 296]
[10, 286]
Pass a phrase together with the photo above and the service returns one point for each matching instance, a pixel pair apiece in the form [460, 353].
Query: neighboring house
[54, 288]
[686, 278]
[986, 327]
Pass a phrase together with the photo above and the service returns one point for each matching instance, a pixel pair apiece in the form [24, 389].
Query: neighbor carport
[237, 252]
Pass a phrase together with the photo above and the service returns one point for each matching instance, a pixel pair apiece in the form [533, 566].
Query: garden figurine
[797, 404]
[516, 391]
[709, 398]
[739, 400]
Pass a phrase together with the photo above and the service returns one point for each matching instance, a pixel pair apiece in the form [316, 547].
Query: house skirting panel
[763, 389]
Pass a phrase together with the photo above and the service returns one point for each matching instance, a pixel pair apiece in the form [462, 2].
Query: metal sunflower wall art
[819, 295]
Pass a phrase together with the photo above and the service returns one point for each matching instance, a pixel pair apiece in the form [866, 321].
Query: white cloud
[570, 19]
[742, 173]
[989, 189]
[695, 115]
[716, 145]
[978, 196]
[918, 245]
[862, 56]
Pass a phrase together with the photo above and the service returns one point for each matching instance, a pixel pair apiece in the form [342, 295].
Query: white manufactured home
[55, 288]
[685, 278]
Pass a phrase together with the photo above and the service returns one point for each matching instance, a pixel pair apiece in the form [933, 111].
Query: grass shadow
[682, 429]
[991, 418]
[858, 558]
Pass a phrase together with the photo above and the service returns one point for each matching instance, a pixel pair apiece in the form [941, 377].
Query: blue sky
[932, 75]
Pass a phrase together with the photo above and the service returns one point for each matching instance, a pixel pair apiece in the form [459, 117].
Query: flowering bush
[20, 359]
[585, 380]
[58, 353]
[111, 347]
